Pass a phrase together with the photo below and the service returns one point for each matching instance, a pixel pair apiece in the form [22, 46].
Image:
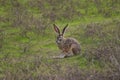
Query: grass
[34, 60]
[29, 56]
[25, 53]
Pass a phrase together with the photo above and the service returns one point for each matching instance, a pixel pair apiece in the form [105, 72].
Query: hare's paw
[69, 55]
[59, 57]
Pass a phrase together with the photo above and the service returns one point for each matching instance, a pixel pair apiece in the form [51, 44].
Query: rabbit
[69, 46]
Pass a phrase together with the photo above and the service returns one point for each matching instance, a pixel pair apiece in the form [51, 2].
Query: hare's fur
[69, 46]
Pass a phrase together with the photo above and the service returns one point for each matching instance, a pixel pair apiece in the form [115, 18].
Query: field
[27, 39]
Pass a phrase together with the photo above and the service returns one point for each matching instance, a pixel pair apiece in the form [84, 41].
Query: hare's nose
[57, 41]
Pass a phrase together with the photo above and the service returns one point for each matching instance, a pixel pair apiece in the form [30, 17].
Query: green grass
[44, 46]
[26, 53]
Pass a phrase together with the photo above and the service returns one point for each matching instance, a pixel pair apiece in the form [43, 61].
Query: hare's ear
[63, 31]
[57, 30]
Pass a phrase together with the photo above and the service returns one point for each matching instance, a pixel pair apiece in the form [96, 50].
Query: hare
[69, 46]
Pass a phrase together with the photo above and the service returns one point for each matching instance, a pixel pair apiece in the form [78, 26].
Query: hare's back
[71, 41]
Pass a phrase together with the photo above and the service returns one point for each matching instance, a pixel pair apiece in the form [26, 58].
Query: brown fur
[69, 46]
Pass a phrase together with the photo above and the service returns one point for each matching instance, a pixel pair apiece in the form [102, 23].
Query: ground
[27, 40]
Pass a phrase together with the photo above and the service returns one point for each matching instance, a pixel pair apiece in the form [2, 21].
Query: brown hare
[69, 46]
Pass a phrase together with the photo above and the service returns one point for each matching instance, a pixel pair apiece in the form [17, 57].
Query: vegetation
[27, 39]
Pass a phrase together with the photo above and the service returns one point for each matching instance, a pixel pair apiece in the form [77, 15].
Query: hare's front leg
[66, 53]
[69, 53]
[62, 55]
